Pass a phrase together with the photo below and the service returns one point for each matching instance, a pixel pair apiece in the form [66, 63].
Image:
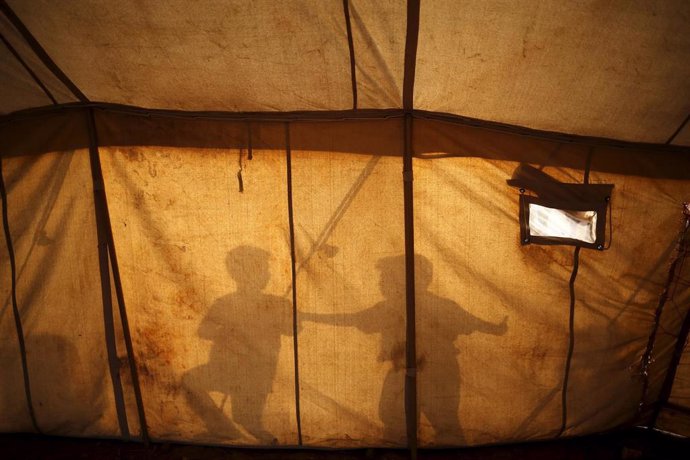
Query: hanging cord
[571, 318]
[250, 156]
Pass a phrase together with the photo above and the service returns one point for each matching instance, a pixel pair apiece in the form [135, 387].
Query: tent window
[561, 223]
[553, 212]
[554, 221]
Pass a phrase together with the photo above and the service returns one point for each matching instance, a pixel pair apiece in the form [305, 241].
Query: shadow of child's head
[249, 267]
[392, 274]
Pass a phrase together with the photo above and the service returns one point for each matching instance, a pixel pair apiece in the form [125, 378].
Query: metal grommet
[526, 240]
[600, 247]
[522, 190]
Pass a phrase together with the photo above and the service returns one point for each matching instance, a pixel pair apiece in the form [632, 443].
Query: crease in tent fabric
[351, 47]
[682, 337]
[571, 316]
[677, 131]
[40, 51]
[108, 319]
[673, 271]
[15, 306]
[28, 69]
[295, 329]
[410, 306]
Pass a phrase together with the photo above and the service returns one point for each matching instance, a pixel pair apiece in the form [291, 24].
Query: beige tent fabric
[589, 68]
[683, 137]
[677, 420]
[674, 421]
[378, 32]
[59, 295]
[206, 276]
[593, 68]
[14, 75]
[350, 288]
[492, 324]
[18, 90]
[12, 400]
[618, 292]
[681, 385]
[218, 55]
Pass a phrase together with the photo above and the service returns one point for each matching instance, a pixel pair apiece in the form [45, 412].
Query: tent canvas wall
[293, 223]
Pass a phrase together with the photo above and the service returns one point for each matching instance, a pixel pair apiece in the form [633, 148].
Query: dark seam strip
[277, 117]
[343, 115]
[680, 128]
[40, 51]
[680, 341]
[27, 68]
[15, 307]
[647, 357]
[410, 313]
[291, 218]
[109, 324]
[411, 39]
[351, 45]
[553, 136]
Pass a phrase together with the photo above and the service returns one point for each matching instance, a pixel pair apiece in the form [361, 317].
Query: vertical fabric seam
[109, 326]
[291, 223]
[33, 75]
[40, 51]
[410, 304]
[351, 46]
[15, 307]
[411, 39]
